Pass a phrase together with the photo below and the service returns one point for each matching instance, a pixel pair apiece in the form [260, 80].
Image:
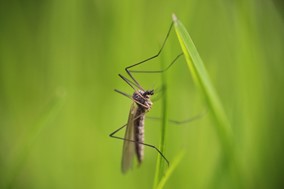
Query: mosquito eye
[151, 92]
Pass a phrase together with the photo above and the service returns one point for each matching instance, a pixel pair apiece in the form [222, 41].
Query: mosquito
[134, 134]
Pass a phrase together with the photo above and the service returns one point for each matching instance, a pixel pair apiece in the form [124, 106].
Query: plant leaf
[170, 170]
[201, 78]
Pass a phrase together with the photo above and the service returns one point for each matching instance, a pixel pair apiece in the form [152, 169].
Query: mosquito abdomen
[139, 134]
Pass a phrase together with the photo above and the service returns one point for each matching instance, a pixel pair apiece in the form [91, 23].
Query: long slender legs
[176, 122]
[134, 83]
[128, 71]
[145, 144]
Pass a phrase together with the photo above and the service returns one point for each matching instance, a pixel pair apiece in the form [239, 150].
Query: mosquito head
[148, 93]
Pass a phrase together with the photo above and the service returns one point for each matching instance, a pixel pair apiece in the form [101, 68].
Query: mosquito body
[134, 135]
[135, 128]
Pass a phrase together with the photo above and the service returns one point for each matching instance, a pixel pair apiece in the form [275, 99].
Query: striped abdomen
[139, 133]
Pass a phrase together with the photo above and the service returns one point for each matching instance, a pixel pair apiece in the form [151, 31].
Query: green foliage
[201, 78]
[77, 48]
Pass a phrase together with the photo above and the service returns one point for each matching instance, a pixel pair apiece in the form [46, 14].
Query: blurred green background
[59, 62]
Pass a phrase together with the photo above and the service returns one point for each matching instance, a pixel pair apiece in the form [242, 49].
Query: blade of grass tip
[201, 78]
[46, 117]
[170, 170]
[160, 162]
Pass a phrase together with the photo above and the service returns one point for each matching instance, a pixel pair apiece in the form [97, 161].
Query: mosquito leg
[111, 134]
[194, 118]
[130, 83]
[124, 94]
[145, 144]
[150, 58]
[158, 71]
[129, 96]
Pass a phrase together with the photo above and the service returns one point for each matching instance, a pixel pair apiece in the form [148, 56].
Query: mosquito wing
[128, 146]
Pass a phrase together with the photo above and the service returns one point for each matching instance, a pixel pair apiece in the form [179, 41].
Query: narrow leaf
[201, 78]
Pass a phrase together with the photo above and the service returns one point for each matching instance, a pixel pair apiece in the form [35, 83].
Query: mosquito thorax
[142, 99]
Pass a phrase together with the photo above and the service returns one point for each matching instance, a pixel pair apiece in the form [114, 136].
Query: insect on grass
[134, 135]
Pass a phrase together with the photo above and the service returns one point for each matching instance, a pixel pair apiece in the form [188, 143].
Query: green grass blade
[222, 125]
[170, 170]
[160, 166]
[201, 78]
